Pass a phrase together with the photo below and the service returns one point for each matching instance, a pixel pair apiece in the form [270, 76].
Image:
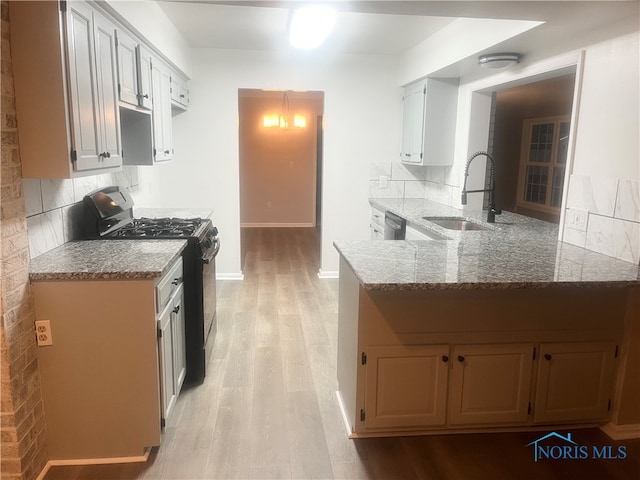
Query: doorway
[530, 144]
[280, 150]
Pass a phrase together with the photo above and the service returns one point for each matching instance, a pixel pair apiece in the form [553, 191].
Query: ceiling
[532, 99]
[239, 26]
[381, 27]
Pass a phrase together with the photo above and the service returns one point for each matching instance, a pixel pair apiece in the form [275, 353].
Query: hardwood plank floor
[267, 408]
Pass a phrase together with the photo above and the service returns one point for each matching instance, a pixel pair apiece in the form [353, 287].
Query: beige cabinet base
[100, 382]
[393, 379]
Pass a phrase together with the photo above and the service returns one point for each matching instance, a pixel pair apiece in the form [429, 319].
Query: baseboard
[343, 414]
[621, 432]
[93, 461]
[328, 274]
[230, 276]
[278, 225]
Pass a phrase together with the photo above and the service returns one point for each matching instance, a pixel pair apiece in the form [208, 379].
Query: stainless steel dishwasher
[395, 227]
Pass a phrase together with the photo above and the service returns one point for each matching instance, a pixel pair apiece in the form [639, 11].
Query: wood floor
[267, 408]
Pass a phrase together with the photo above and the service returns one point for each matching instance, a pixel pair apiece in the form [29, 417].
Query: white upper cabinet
[429, 121]
[109, 145]
[145, 85]
[162, 134]
[127, 68]
[84, 89]
[179, 91]
[134, 72]
[80, 132]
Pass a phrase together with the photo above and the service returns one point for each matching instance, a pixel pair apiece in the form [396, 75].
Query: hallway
[268, 409]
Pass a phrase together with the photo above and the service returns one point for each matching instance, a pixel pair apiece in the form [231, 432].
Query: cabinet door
[127, 68]
[107, 92]
[161, 82]
[168, 393]
[490, 384]
[82, 95]
[179, 91]
[574, 381]
[179, 351]
[406, 386]
[145, 87]
[413, 114]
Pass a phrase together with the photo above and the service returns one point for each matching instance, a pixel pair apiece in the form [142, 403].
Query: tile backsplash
[409, 181]
[613, 218]
[612, 205]
[54, 207]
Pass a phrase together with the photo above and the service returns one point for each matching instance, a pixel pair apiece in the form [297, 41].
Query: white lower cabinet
[416, 387]
[112, 376]
[171, 339]
[376, 225]
[490, 383]
[406, 386]
[575, 381]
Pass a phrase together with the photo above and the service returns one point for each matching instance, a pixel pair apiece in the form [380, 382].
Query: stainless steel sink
[455, 223]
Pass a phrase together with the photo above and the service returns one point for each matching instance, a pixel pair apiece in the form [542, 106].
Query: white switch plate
[383, 181]
[577, 219]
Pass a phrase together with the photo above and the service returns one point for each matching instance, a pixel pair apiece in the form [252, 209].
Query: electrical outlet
[43, 333]
[383, 181]
[577, 219]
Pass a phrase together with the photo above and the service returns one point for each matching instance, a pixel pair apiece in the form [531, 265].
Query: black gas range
[108, 214]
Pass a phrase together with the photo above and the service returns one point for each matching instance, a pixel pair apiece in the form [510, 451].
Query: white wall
[608, 128]
[462, 38]
[362, 109]
[605, 178]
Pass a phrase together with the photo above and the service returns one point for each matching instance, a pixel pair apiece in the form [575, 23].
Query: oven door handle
[216, 248]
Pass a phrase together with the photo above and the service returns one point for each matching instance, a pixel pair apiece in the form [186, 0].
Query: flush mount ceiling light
[498, 60]
[311, 25]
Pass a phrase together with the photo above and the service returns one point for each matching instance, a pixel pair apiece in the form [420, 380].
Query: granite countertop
[106, 260]
[515, 252]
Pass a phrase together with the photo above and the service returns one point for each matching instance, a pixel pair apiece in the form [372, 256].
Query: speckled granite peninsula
[481, 330]
[106, 260]
[514, 252]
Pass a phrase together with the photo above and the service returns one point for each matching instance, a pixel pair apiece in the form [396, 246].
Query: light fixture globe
[310, 26]
[498, 60]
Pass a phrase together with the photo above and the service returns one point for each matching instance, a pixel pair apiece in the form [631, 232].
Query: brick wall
[22, 427]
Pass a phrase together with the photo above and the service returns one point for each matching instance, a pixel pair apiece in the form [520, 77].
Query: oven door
[209, 294]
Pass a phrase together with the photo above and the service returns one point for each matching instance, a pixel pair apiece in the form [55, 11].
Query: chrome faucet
[493, 210]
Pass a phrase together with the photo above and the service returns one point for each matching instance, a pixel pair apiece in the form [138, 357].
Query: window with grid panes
[542, 163]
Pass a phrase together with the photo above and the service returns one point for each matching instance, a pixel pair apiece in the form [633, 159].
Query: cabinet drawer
[168, 284]
[377, 217]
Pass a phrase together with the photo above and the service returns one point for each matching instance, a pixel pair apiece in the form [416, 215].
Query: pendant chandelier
[284, 119]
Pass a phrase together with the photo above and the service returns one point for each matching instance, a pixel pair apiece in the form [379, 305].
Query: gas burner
[159, 227]
[169, 222]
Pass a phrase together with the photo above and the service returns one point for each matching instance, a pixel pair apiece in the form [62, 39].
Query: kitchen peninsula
[501, 328]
